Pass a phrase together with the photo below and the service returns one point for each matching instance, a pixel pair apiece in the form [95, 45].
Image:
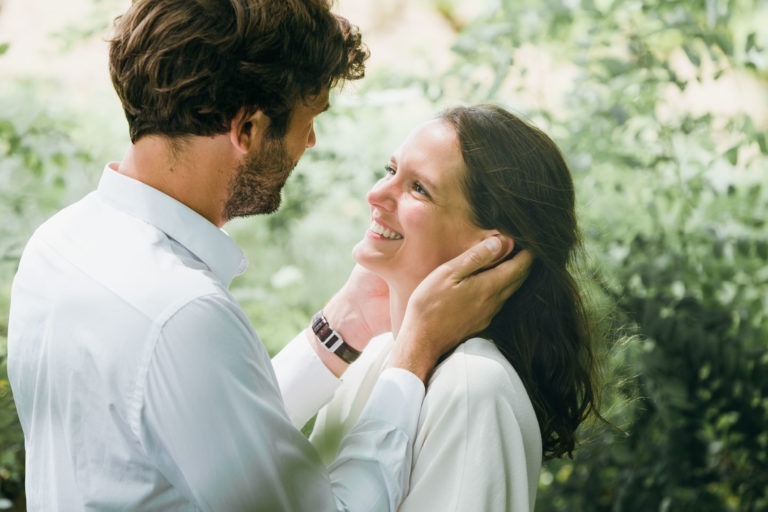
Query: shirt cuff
[396, 399]
[305, 382]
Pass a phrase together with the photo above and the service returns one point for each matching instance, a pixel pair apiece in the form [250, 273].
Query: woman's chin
[358, 253]
[370, 260]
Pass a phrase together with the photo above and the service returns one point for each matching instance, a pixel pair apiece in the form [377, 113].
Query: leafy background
[661, 108]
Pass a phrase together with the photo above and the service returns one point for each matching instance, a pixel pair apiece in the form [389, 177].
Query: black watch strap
[332, 340]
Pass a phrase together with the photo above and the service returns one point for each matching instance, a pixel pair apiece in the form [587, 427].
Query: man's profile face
[260, 178]
[300, 134]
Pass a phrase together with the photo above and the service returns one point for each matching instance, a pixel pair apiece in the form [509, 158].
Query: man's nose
[312, 138]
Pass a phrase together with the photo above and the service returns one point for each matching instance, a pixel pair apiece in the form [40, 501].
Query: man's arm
[455, 301]
[211, 419]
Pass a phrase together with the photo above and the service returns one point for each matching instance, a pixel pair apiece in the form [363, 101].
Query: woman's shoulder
[478, 374]
[478, 366]
[477, 410]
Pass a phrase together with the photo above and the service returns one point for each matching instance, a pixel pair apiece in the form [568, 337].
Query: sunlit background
[661, 108]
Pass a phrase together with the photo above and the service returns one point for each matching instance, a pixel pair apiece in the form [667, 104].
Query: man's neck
[196, 171]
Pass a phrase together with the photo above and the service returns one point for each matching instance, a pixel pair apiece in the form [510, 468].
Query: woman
[518, 391]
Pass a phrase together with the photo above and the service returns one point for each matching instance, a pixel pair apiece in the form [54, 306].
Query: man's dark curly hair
[188, 67]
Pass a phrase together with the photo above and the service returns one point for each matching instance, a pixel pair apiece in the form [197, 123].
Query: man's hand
[458, 299]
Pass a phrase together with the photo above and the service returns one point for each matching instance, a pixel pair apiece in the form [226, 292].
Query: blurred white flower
[286, 276]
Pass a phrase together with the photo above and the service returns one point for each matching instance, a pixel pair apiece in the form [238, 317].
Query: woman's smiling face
[419, 215]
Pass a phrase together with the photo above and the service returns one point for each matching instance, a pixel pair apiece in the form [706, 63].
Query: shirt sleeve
[214, 423]
[306, 384]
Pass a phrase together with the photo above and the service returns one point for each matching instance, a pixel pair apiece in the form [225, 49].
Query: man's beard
[258, 181]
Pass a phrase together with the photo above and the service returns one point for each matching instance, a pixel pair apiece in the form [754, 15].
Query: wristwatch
[332, 340]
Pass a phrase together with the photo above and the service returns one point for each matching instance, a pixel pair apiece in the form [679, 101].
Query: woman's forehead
[430, 140]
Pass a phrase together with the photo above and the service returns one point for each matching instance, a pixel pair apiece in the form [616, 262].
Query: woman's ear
[245, 131]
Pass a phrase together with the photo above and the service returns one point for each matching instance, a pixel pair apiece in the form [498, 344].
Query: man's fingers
[479, 256]
[511, 273]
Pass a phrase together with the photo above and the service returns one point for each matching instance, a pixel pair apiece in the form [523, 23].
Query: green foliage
[673, 206]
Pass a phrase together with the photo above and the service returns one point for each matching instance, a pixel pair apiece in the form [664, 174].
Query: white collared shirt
[141, 385]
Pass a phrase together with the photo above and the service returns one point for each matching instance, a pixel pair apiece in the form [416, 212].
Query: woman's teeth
[386, 233]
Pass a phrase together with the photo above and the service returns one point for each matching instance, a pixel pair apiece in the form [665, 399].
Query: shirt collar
[211, 245]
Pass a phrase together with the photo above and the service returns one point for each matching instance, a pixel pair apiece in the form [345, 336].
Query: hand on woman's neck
[398, 302]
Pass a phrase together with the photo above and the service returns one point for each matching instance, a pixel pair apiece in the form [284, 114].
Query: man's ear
[246, 131]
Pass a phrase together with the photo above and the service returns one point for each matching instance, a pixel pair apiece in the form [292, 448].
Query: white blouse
[478, 444]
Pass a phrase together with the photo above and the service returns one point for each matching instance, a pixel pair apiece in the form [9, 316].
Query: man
[139, 382]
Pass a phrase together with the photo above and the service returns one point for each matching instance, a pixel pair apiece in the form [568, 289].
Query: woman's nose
[382, 194]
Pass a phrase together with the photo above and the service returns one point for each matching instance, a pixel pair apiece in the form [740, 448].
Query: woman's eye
[390, 170]
[421, 190]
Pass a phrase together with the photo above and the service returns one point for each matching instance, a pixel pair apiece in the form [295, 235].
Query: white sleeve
[305, 382]
[214, 423]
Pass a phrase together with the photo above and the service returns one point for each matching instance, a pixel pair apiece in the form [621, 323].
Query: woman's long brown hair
[518, 183]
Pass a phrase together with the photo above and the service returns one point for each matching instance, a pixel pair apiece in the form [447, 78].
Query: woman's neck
[398, 302]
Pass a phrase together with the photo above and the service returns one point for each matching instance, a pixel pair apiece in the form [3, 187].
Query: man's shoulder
[127, 258]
